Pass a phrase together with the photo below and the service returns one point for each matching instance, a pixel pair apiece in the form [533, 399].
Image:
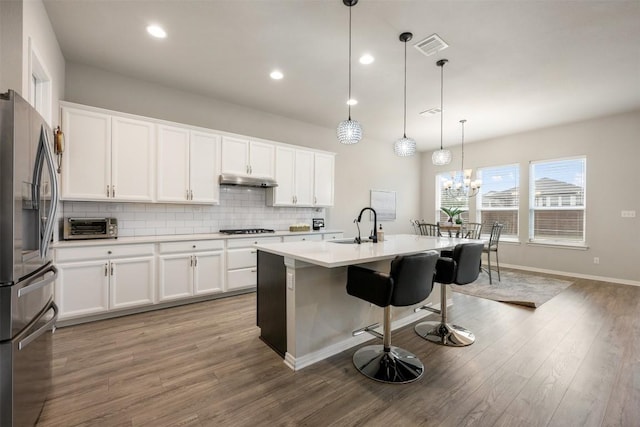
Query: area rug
[515, 288]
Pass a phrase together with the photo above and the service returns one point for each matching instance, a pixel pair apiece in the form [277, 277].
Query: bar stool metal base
[445, 334]
[396, 366]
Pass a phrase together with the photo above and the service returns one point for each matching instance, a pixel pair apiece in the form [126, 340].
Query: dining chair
[472, 230]
[427, 229]
[492, 246]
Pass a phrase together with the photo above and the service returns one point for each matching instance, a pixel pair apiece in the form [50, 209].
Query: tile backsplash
[240, 207]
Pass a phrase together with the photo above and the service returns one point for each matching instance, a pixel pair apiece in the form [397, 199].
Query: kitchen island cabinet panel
[272, 301]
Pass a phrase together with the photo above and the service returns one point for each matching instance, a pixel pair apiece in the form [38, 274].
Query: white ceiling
[513, 65]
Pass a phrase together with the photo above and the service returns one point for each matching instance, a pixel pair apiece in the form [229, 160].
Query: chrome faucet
[374, 236]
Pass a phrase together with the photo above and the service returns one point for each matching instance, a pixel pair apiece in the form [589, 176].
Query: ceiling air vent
[431, 45]
[431, 112]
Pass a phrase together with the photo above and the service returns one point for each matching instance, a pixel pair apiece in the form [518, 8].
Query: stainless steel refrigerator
[28, 202]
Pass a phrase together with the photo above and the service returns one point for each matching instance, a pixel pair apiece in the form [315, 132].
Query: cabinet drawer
[331, 236]
[192, 246]
[102, 252]
[250, 241]
[303, 238]
[243, 278]
[241, 258]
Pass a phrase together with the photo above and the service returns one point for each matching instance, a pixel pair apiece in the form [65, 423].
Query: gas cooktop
[247, 231]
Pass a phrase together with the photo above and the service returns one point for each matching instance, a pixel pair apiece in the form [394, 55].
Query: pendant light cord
[441, 102]
[349, 100]
[405, 89]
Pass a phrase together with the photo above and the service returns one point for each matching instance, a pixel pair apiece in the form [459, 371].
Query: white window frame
[556, 204]
[486, 230]
[40, 91]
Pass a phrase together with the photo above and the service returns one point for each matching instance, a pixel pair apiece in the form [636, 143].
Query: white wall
[11, 45]
[368, 165]
[612, 147]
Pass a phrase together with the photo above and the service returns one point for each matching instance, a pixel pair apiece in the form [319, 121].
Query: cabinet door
[176, 277]
[262, 159]
[208, 273]
[304, 178]
[173, 164]
[323, 179]
[204, 167]
[132, 159]
[283, 194]
[132, 282]
[86, 165]
[235, 156]
[82, 288]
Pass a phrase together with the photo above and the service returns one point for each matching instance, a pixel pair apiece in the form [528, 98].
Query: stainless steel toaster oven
[90, 228]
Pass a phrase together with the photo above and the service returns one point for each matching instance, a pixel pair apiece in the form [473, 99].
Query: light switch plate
[628, 214]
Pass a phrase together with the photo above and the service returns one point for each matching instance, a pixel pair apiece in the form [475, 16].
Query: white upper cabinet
[86, 162]
[304, 178]
[323, 179]
[107, 157]
[187, 165]
[132, 159]
[248, 158]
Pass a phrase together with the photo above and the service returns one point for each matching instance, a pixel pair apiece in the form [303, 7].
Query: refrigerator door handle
[49, 325]
[44, 154]
[40, 284]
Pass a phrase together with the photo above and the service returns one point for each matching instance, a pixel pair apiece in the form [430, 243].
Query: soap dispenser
[380, 234]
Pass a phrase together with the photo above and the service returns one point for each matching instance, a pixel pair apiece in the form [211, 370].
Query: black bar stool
[462, 268]
[409, 282]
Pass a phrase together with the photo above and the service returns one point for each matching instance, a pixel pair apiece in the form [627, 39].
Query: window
[499, 198]
[39, 86]
[557, 201]
[446, 201]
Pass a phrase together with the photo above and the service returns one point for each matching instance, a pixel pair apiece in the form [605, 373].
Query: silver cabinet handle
[315, 200]
[108, 191]
[191, 261]
[106, 269]
[111, 268]
[113, 191]
[191, 193]
[187, 196]
[195, 261]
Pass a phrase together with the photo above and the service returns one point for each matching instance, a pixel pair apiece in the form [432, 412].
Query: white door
[176, 277]
[235, 156]
[132, 282]
[82, 288]
[262, 159]
[283, 194]
[204, 167]
[132, 159]
[173, 164]
[304, 178]
[323, 179]
[208, 273]
[86, 164]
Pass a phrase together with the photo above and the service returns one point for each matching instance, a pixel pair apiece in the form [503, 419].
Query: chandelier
[349, 131]
[441, 157]
[461, 186]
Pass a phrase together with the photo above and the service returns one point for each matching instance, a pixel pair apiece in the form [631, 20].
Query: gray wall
[612, 147]
[368, 165]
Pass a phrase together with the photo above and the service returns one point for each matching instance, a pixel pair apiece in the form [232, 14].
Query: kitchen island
[304, 312]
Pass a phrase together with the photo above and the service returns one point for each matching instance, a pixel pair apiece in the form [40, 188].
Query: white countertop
[330, 254]
[179, 238]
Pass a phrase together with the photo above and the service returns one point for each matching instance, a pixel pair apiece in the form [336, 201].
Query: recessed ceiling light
[352, 101]
[156, 31]
[276, 75]
[366, 59]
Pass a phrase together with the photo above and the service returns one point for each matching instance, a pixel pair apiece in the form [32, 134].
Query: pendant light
[441, 156]
[405, 146]
[349, 131]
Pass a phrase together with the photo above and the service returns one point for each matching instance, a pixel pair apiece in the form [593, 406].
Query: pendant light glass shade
[349, 131]
[441, 156]
[404, 147]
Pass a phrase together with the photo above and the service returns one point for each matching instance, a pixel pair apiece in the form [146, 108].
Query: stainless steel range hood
[247, 181]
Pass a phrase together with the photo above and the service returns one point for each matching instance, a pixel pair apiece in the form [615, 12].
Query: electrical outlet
[596, 260]
[628, 214]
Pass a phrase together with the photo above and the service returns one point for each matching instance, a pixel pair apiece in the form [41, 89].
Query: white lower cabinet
[242, 261]
[98, 279]
[190, 269]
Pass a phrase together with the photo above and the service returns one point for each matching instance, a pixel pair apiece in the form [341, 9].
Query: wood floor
[574, 361]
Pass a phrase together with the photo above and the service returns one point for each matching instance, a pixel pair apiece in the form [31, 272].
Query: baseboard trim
[570, 274]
